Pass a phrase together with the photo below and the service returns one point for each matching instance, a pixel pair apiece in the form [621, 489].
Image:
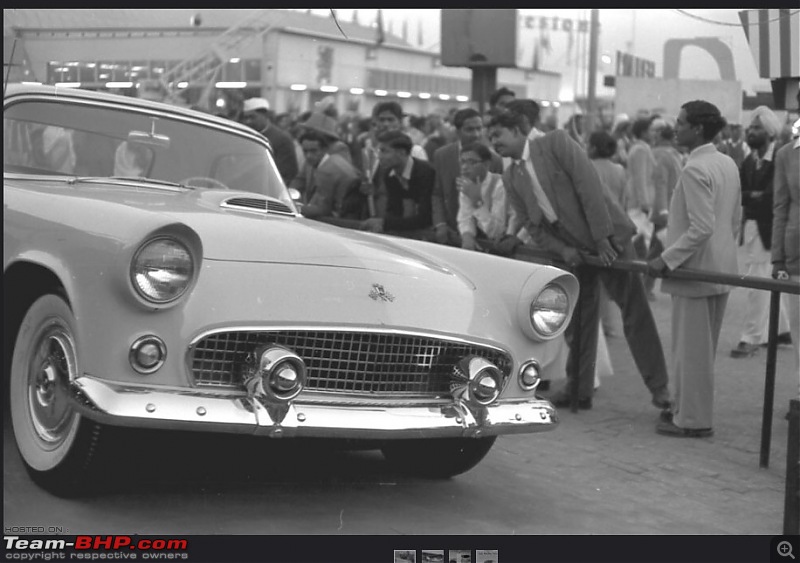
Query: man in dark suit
[326, 180]
[255, 114]
[554, 188]
[756, 174]
[404, 188]
[447, 163]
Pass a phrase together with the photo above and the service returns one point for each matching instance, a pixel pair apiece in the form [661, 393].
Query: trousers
[759, 263]
[696, 324]
[639, 326]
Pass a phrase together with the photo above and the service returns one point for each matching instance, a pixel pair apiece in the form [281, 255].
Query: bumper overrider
[274, 405]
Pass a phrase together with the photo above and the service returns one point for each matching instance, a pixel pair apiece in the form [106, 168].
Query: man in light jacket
[704, 219]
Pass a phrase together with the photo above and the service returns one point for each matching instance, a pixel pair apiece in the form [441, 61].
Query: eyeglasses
[470, 161]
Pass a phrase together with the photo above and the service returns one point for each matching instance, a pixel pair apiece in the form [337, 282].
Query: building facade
[292, 58]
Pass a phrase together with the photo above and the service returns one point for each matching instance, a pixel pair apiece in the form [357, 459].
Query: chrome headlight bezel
[177, 267]
[533, 295]
[552, 301]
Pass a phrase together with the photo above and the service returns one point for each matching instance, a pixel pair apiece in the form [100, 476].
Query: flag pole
[591, 102]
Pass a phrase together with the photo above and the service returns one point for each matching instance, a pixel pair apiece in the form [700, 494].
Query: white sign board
[666, 96]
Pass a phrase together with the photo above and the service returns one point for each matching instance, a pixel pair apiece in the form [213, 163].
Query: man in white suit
[704, 219]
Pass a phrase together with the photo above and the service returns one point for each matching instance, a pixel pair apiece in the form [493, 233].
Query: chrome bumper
[150, 407]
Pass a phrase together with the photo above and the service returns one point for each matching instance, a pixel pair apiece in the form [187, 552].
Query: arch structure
[720, 52]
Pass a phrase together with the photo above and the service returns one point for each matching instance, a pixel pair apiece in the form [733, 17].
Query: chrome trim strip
[139, 406]
[333, 328]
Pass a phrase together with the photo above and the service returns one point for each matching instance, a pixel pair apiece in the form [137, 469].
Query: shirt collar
[768, 154]
[406, 174]
[324, 158]
[526, 151]
[535, 134]
[796, 143]
[708, 147]
[486, 181]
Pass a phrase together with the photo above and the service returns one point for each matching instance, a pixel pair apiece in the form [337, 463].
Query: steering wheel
[211, 182]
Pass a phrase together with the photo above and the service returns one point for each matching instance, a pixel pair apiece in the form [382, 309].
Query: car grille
[343, 361]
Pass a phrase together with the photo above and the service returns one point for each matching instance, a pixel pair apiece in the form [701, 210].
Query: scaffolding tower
[206, 66]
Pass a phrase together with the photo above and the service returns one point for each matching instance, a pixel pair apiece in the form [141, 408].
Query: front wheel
[437, 457]
[57, 445]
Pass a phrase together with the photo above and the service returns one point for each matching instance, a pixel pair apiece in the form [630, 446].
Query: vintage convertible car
[157, 274]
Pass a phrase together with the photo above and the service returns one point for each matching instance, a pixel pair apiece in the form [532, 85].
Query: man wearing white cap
[255, 114]
[757, 173]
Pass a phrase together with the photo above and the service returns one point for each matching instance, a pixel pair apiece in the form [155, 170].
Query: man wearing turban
[756, 175]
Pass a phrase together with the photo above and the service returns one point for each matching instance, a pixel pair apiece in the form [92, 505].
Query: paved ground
[692, 485]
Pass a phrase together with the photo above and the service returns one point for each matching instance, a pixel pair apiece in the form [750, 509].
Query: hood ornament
[378, 292]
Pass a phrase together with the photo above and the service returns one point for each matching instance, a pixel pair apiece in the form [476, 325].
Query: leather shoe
[670, 429]
[665, 416]
[744, 350]
[562, 401]
[661, 400]
[783, 338]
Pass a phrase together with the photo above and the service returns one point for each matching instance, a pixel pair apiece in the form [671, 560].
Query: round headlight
[162, 270]
[549, 310]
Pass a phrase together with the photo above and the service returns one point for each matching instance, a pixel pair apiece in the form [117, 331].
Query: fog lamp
[147, 354]
[284, 379]
[476, 380]
[485, 387]
[280, 377]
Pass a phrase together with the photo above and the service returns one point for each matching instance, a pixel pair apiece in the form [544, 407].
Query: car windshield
[92, 140]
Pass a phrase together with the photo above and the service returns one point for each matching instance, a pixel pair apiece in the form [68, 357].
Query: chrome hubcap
[51, 370]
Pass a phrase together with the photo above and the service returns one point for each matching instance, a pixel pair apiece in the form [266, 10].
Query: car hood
[246, 236]
[237, 235]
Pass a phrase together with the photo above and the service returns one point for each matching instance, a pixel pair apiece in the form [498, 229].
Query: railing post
[791, 509]
[769, 380]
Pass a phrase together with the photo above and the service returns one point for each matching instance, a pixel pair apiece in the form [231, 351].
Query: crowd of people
[682, 192]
